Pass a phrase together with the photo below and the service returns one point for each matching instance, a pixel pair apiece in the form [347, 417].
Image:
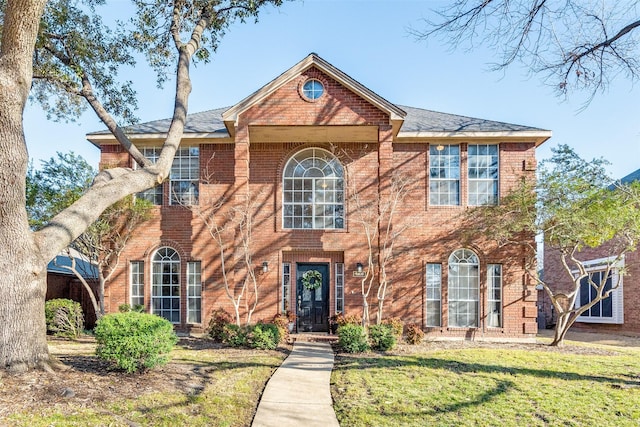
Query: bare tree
[230, 227]
[376, 215]
[572, 44]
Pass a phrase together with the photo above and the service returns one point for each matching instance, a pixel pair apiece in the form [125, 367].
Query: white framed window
[313, 191]
[610, 309]
[482, 167]
[194, 292]
[339, 287]
[153, 195]
[494, 295]
[286, 287]
[136, 279]
[444, 175]
[165, 284]
[464, 289]
[312, 89]
[184, 177]
[433, 280]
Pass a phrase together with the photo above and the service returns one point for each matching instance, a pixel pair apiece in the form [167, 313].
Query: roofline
[539, 136]
[98, 139]
[395, 112]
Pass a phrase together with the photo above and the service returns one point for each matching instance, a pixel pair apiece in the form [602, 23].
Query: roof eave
[537, 136]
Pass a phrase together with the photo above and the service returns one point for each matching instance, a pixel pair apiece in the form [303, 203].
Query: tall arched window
[165, 286]
[464, 289]
[313, 191]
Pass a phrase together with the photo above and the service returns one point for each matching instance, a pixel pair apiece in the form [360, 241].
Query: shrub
[234, 335]
[263, 336]
[219, 318]
[352, 338]
[64, 317]
[351, 319]
[135, 341]
[382, 337]
[282, 323]
[414, 334]
[396, 324]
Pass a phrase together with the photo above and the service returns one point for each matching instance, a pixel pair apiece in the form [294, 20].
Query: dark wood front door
[313, 304]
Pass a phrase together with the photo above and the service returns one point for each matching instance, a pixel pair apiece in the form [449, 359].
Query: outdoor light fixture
[359, 267]
[440, 147]
[265, 266]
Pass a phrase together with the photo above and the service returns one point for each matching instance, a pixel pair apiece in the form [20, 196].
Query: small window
[286, 287]
[434, 295]
[494, 297]
[339, 287]
[194, 292]
[137, 283]
[312, 89]
[483, 174]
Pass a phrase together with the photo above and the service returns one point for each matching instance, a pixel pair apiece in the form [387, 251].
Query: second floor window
[313, 191]
[183, 179]
[444, 175]
[483, 174]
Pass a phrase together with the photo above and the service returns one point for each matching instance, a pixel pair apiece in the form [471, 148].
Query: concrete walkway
[298, 392]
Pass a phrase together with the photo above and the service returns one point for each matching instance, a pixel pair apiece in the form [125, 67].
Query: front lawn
[203, 385]
[470, 384]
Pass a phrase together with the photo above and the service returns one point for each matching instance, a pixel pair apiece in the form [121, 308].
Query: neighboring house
[63, 283]
[614, 314]
[290, 145]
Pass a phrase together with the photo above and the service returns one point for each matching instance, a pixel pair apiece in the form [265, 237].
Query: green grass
[204, 387]
[488, 387]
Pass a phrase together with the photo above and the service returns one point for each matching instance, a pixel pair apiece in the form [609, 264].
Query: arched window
[165, 286]
[464, 289]
[313, 191]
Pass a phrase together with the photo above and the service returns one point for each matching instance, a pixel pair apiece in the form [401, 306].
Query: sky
[370, 41]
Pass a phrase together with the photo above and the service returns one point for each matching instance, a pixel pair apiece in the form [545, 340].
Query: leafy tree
[575, 206]
[55, 186]
[62, 46]
[572, 44]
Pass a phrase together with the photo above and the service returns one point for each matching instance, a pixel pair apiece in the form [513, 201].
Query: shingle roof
[416, 120]
[633, 176]
[421, 120]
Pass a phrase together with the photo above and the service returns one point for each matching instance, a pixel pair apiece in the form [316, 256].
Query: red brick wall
[433, 232]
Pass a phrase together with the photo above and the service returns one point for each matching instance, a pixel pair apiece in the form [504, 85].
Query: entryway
[312, 281]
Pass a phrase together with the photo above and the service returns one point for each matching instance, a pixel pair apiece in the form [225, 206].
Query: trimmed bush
[382, 337]
[219, 319]
[414, 334]
[352, 338]
[64, 317]
[234, 335]
[133, 341]
[263, 336]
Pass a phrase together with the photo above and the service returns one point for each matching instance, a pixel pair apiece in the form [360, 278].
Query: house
[308, 155]
[63, 283]
[615, 314]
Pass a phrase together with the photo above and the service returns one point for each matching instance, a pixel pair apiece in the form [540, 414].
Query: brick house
[300, 148]
[616, 313]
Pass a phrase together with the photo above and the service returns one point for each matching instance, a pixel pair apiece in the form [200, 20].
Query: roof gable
[231, 115]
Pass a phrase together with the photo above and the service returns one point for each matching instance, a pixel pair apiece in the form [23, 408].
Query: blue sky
[369, 40]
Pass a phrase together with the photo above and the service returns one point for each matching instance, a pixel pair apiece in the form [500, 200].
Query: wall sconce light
[359, 267]
[265, 266]
[440, 147]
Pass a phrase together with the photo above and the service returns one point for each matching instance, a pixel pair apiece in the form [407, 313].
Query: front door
[313, 297]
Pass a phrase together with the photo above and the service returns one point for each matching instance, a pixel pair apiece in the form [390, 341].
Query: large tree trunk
[23, 285]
